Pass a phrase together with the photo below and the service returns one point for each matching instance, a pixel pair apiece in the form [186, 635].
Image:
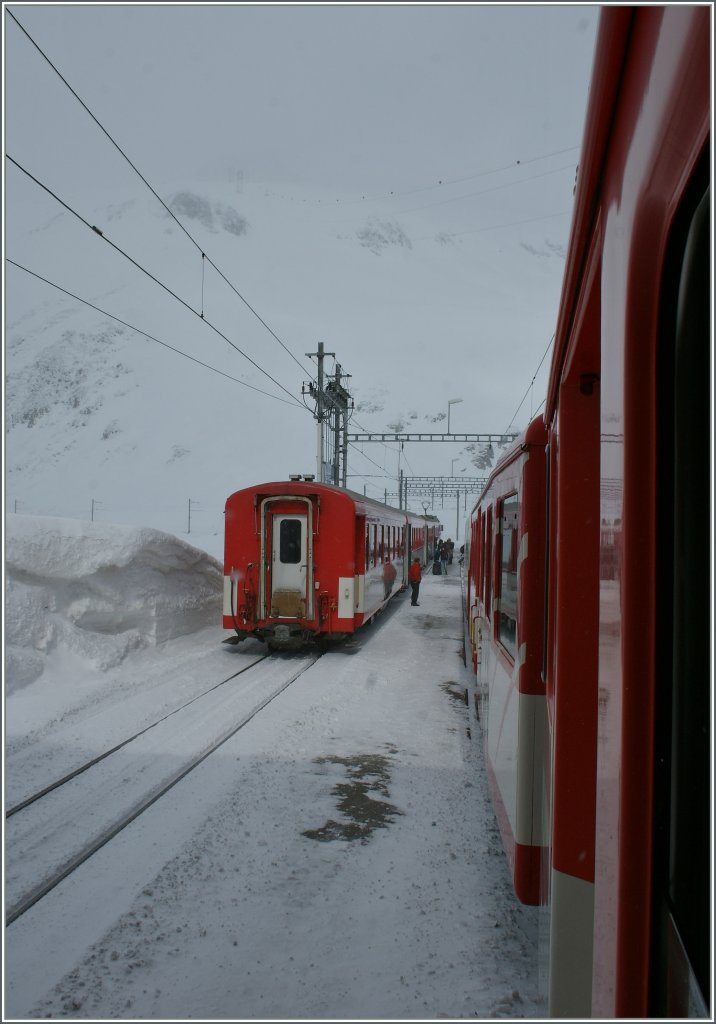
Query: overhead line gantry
[430, 438]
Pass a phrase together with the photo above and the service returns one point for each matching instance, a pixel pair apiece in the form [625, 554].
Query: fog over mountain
[395, 183]
[105, 420]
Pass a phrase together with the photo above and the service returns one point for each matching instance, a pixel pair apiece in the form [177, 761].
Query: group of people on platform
[443, 556]
[441, 559]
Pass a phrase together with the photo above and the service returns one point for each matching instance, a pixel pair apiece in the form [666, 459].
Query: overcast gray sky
[377, 97]
[471, 116]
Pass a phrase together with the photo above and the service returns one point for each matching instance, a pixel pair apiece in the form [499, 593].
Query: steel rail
[41, 890]
[100, 757]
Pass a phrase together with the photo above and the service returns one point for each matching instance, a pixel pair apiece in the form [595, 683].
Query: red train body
[588, 588]
[311, 562]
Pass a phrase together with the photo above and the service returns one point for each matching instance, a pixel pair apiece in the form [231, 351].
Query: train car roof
[535, 433]
[306, 487]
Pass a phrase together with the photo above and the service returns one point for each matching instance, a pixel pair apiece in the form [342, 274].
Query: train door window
[476, 552]
[506, 586]
[290, 541]
[367, 547]
[488, 564]
[382, 544]
[683, 735]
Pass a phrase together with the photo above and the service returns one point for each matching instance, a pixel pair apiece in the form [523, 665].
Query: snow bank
[97, 591]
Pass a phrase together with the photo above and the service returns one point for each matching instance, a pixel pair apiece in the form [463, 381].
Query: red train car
[622, 622]
[504, 584]
[306, 562]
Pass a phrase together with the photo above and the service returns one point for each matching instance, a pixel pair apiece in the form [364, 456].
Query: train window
[488, 564]
[478, 553]
[367, 547]
[508, 548]
[683, 737]
[290, 541]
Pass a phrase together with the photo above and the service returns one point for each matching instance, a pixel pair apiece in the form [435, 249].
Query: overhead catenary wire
[365, 430]
[144, 334]
[544, 356]
[493, 188]
[204, 257]
[442, 183]
[158, 197]
[101, 234]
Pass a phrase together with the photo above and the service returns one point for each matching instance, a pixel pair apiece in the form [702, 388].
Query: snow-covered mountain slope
[109, 421]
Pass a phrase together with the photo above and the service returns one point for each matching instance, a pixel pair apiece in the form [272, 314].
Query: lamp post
[451, 401]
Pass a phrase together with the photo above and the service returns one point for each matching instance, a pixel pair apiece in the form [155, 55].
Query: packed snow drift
[94, 592]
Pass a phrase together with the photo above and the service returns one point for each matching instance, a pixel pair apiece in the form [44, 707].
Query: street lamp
[451, 401]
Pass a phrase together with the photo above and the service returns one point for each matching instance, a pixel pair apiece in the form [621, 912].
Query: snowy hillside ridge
[195, 207]
[68, 380]
[96, 592]
[379, 234]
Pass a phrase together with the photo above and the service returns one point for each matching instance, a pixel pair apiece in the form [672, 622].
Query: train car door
[289, 565]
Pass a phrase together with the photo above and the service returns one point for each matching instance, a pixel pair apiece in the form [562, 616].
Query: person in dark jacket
[414, 577]
[443, 559]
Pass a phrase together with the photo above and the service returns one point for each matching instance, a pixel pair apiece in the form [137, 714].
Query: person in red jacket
[389, 575]
[414, 578]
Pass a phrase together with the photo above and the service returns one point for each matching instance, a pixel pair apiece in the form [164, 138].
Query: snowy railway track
[22, 804]
[63, 825]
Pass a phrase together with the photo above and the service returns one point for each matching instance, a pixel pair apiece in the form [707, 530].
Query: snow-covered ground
[336, 859]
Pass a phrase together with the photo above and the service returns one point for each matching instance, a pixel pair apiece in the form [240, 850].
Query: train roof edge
[308, 483]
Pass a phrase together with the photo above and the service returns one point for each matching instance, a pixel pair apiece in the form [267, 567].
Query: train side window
[506, 588]
[290, 541]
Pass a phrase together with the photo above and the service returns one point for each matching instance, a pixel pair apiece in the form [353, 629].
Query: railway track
[22, 804]
[51, 833]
